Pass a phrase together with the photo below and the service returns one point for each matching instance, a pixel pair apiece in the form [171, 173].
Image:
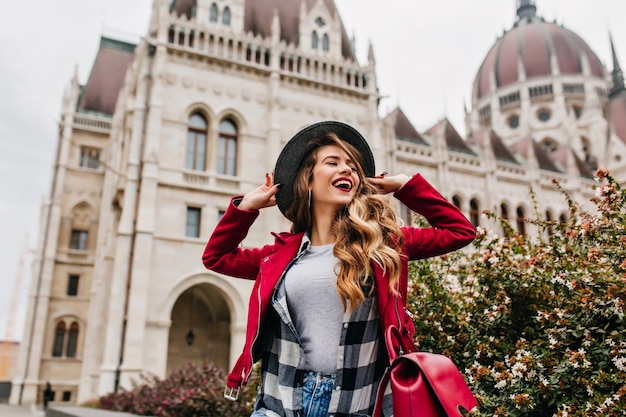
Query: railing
[510, 169]
[92, 123]
[204, 180]
[74, 256]
[414, 149]
[463, 159]
[261, 53]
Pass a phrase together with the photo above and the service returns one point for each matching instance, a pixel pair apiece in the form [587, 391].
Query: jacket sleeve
[449, 230]
[222, 253]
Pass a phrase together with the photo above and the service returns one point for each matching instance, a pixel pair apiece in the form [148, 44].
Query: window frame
[195, 136]
[197, 225]
[213, 13]
[227, 163]
[79, 239]
[58, 343]
[89, 158]
[72, 285]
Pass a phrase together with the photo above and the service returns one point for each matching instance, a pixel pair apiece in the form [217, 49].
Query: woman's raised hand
[388, 183]
[264, 196]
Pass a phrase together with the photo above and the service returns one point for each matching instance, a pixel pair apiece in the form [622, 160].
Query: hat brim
[295, 150]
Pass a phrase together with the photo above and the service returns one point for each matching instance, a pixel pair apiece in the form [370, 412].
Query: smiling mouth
[343, 184]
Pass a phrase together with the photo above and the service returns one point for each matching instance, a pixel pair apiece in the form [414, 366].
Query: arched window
[226, 16]
[59, 339]
[475, 212]
[72, 341]
[213, 13]
[227, 148]
[314, 40]
[325, 43]
[456, 200]
[504, 213]
[521, 221]
[549, 220]
[586, 148]
[196, 142]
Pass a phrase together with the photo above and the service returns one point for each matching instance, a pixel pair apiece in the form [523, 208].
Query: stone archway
[203, 310]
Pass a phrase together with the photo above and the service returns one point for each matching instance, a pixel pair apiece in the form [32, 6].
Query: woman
[325, 292]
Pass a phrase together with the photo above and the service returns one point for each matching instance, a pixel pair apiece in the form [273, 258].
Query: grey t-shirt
[315, 306]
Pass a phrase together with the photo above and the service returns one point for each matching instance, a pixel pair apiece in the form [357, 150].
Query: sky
[427, 54]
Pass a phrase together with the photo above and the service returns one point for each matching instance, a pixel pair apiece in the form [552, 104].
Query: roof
[500, 151]
[543, 159]
[585, 170]
[534, 46]
[107, 76]
[258, 17]
[404, 128]
[454, 141]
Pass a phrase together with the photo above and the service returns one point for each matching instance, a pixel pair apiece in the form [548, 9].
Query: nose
[343, 168]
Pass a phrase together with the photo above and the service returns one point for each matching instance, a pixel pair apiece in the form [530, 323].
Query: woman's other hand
[388, 183]
[264, 196]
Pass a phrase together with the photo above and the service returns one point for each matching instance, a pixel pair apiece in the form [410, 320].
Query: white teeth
[343, 184]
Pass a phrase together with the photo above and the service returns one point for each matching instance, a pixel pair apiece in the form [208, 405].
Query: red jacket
[450, 231]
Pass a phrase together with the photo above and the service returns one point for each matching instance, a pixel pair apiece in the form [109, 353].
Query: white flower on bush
[451, 283]
[553, 342]
[501, 384]
[620, 363]
[518, 370]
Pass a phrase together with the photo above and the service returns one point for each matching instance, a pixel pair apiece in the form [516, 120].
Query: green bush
[535, 324]
[192, 391]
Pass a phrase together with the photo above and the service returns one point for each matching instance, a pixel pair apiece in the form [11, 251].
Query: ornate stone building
[152, 147]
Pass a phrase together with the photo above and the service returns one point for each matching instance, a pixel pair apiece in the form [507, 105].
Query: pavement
[19, 411]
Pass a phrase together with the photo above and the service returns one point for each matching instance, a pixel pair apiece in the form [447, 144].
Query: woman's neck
[321, 229]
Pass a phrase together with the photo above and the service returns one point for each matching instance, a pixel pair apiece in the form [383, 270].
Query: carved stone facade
[165, 132]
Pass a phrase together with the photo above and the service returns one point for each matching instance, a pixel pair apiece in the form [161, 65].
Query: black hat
[295, 150]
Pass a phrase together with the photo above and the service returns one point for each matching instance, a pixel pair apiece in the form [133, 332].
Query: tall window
[192, 226]
[227, 148]
[586, 148]
[456, 200]
[79, 239]
[314, 40]
[504, 212]
[196, 142]
[213, 13]
[59, 340]
[89, 157]
[521, 221]
[72, 341]
[226, 16]
[549, 220]
[72, 284]
[65, 340]
[325, 43]
[475, 212]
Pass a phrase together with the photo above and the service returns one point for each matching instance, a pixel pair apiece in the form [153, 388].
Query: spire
[618, 75]
[526, 9]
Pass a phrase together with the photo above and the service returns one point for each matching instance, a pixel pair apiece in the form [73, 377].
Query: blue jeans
[317, 389]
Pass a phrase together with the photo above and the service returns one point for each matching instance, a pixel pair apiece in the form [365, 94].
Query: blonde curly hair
[366, 229]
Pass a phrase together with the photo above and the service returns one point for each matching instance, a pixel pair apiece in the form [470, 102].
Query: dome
[534, 48]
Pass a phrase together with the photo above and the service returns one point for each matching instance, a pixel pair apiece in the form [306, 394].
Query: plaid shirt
[361, 360]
